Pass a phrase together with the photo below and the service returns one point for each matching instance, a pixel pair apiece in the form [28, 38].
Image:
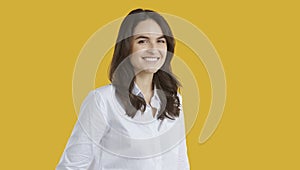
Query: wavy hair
[122, 75]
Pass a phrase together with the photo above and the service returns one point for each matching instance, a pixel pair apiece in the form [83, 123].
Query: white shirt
[105, 138]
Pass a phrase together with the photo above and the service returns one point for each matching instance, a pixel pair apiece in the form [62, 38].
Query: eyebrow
[141, 36]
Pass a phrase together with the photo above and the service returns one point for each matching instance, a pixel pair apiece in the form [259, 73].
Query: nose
[152, 48]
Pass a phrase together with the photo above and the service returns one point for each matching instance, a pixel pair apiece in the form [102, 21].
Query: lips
[151, 58]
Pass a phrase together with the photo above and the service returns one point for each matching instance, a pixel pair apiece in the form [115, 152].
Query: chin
[150, 70]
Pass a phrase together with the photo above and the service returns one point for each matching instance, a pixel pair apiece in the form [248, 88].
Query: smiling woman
[149, 47]
[137, 121]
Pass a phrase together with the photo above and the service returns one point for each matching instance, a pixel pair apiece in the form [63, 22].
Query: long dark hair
[122, 74]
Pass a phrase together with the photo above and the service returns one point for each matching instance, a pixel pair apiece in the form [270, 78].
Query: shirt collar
[137, 91]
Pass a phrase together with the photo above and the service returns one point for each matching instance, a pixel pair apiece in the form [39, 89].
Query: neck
[144, 81]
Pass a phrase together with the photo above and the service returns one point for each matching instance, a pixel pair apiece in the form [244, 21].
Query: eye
[161, 41]
[141, 41]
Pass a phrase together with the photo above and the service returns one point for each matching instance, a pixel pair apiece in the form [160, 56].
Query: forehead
[147, 27]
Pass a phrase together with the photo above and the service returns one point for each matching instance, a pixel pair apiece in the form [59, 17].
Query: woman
[136, 122]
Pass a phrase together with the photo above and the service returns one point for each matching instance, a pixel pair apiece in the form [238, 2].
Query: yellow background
[258, 43]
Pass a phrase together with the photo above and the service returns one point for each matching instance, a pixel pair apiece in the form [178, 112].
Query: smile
[151, 58]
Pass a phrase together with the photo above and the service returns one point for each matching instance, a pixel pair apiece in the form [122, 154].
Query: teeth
[150, 58]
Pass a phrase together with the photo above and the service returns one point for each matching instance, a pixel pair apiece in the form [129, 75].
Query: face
[149, 47]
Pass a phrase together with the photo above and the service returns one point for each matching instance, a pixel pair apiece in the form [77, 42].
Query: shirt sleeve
[84, 141]
[183, 161]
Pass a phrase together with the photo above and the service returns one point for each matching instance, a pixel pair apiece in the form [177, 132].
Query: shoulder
[98, 98]
[104, 94]
[99, 94]
[104, 91]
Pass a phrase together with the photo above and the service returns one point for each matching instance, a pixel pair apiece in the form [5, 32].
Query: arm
[183, 157]
[183, 160]
[87, 133]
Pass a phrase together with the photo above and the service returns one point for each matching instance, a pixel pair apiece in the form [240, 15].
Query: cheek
[164, 52]
[135, 48]
[136, 51]
[135, 60]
